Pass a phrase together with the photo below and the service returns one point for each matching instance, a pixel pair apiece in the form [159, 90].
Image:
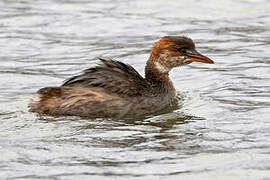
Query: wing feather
[114, 76]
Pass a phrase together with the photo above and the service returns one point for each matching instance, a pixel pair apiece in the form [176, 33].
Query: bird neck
[158, 76]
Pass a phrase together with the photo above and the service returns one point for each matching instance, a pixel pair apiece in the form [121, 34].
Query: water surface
[220, 129]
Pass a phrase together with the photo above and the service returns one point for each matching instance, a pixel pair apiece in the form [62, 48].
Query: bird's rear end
[79, 101]
[46, 100]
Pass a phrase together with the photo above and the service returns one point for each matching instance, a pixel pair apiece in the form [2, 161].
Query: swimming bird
[114, 89]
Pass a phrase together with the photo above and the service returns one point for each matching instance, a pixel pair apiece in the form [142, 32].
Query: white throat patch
[162, 68]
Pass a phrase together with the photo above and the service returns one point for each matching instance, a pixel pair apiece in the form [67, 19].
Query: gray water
[220, 129]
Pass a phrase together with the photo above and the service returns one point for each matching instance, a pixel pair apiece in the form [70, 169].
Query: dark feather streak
[113, 76]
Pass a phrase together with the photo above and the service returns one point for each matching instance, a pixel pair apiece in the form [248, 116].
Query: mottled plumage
[114, 89]
[114, 76]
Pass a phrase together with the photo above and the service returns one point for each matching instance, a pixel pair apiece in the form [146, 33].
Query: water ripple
[219, 127]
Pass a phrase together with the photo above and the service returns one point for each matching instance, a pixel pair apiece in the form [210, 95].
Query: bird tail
[45, 99]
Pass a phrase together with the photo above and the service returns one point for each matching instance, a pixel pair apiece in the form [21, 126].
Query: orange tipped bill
[196, 56]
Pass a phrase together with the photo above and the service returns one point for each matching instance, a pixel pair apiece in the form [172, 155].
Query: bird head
[173, 51]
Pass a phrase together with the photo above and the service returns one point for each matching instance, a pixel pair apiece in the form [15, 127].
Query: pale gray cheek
[178, 61]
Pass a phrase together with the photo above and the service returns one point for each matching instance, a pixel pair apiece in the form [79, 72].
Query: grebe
[116, 90]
